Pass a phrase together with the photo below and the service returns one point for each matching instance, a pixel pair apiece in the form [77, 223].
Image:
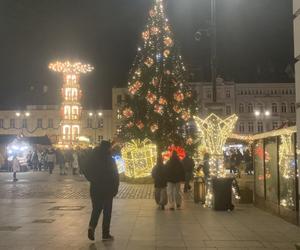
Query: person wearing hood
[175, 175]
[104, 185]
[160, 183]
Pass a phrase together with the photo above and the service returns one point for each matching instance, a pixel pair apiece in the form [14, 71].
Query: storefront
[275, 165]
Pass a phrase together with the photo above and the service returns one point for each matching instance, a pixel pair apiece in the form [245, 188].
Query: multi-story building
[40, 120]
[260, 106]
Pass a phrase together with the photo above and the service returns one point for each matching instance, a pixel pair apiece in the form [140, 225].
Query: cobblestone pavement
[42, 212]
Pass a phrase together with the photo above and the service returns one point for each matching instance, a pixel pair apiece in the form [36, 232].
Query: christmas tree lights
[161, 101]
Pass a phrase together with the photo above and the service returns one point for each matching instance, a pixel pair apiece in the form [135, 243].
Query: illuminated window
[100, 138]
[12, 123]
[67, 112]
[66, 132]
[228, 94]
[228, 110]
[250, 127]
[275, 125]
[241, 127]
[100, 123]
[75, 112]
[75, 132]
[39, 123]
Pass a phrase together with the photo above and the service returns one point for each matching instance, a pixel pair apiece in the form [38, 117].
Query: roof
[41, 140]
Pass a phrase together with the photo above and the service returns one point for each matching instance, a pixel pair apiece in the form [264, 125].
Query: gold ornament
[152, 13]
[155, 82]
[177, 109]
[139, 157]
[166, 53]
[158, 109]
[155, 30]
[135, 87]
[178, 96]
[149, 62]
[185, 115]
[151, 98]
[153, 127]
[168, 41]
[140, 125]
[162, 101]
[128, 112]
[189, 141]
[146, 35]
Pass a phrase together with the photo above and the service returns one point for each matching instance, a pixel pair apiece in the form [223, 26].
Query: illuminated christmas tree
[161, 103]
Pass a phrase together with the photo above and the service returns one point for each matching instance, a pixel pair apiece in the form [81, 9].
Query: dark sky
[255, 43]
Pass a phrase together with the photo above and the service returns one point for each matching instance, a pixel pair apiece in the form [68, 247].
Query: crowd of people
[236, 161]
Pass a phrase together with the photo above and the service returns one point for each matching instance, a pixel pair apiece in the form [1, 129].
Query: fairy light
[214, 131]
[71, 94]
[139, 157]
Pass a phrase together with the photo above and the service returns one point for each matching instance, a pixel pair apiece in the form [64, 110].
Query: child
[160, 183]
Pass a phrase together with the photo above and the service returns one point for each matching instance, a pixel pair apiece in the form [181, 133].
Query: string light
[139, 157]
[71, 68]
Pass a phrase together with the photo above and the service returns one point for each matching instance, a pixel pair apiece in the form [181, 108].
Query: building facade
[96, 125]
[260, 106]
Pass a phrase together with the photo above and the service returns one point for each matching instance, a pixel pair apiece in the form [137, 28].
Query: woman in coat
[104, 179]
[175, 175]
[160, 183]
[15, 167]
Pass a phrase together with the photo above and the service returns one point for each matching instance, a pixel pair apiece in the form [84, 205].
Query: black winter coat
[105, 177]
[175, 171]
[188, 165]
[159, 175]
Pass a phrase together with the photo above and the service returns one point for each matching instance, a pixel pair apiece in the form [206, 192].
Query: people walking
[15, 167]
[188, 165]
[104, 185]
[50, 159]
[160, 183]
[35, 160]
[175, 175]
[60, 160]
[75, 163]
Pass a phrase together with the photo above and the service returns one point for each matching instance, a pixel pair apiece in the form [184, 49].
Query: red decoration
[127, 112]
[179, 150]
[151, 98]
[135, 87]
[178, 96]
[146, 35]
[130, 125]
[154, 31]
[177, 109]
[149, 62]
[140, 125]
[162, 101]
[155, 82]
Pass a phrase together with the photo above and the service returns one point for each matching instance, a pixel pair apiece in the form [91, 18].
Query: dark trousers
[15, 175]
[51, 166]
[98, 206]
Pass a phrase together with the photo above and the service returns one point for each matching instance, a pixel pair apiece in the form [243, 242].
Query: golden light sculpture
[213, 132]
[139, 157]
[71, 94]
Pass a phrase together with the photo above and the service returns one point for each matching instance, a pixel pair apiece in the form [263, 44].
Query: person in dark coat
[175, 175]
[104, 185]
[188, 165]
[160, 183]
[60, 160]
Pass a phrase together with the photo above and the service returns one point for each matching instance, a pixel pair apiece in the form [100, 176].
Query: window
[241, 127]
[260, 107]
[274, 108]
[250, 108]
[208, 94]
[100, 123]
[283, 107]
[119, 99]
[1, 123]
[39, 123]
[89, 123]
[24, 123]
[12, 123]
[228, 94]
[241, 108]
[250, 127]
[50, 123]
[293, 108]
[275, 125]
[260, 126]
[100, 138]
[228, 110]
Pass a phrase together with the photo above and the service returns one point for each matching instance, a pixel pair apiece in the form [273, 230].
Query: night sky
[255, 43]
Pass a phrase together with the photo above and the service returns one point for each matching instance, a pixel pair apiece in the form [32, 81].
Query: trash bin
[222, 194]
[199, 190]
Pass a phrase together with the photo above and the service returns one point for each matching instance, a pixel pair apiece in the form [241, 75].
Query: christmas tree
[161, 103]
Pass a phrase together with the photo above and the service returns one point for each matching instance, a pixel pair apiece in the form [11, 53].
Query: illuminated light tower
[71, 93]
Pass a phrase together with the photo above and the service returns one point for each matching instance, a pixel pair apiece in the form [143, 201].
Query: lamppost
[262, 115]
[22, 117]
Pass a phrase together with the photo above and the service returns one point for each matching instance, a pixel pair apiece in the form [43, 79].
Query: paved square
[136, 223]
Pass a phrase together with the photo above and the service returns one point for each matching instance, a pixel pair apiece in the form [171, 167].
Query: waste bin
[222, 193]
[199, 190]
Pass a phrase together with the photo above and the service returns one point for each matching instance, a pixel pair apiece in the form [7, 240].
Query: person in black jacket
[175, 175]
[160, 183]
[188, 164]
[104, 186]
